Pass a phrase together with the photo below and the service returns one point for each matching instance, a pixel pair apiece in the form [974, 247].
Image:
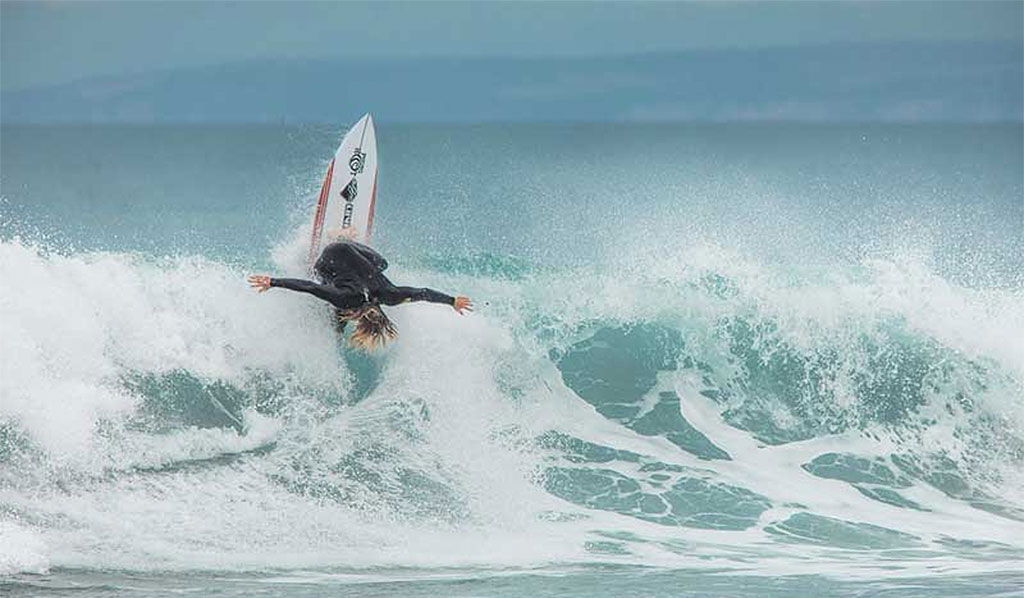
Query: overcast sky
[47, 42]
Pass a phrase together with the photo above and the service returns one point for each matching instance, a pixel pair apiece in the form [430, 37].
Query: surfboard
[349, 190]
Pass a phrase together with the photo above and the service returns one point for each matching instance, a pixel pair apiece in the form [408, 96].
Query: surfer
[352, 280]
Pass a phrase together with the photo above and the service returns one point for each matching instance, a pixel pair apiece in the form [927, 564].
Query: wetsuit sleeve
[395, 295]
[329, 293]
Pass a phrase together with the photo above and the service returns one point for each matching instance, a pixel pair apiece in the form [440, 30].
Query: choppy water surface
[726, 361]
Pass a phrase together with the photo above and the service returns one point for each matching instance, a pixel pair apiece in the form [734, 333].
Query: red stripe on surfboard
[321, 213]
[373, 202]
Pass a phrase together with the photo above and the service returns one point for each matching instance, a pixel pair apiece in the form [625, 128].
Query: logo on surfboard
[349, 194]
[357, 162]
[350, 191]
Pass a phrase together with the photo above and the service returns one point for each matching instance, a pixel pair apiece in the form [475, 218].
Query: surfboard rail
[319, 215]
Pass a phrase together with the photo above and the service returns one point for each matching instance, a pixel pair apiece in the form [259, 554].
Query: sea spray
[726, 379]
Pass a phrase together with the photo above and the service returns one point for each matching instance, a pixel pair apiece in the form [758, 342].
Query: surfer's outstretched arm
[329, 293]
[394, 295]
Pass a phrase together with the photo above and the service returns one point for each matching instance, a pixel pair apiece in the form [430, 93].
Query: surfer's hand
[259, 282]
[462, 305]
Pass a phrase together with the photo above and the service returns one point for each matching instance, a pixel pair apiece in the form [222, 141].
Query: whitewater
[699, 365]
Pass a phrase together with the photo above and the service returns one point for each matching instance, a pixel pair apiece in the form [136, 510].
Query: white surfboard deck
[349, 189]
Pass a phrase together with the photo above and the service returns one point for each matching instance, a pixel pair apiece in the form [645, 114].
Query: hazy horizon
[210, 62]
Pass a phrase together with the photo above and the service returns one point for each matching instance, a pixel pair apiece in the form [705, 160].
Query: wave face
[634, 388]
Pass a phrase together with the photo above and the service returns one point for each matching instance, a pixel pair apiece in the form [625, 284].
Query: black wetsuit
[352, 275]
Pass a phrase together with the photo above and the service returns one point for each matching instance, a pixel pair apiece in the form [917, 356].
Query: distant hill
[958, 82]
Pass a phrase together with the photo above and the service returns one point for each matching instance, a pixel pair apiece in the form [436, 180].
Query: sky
[45, 44]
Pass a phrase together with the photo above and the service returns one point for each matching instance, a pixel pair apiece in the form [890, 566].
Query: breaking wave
[709, 411]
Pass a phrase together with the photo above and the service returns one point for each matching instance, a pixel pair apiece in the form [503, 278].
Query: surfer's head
[373, 327]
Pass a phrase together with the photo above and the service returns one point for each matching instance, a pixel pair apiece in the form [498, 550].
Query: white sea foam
[21, 550]
[452, 417]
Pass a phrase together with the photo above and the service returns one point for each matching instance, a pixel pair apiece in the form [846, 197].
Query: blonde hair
[373, 327]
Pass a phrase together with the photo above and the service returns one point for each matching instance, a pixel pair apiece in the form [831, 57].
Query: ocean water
[729, 360]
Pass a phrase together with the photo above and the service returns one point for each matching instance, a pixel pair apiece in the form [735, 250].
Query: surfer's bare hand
[259, 282]
[462, 305]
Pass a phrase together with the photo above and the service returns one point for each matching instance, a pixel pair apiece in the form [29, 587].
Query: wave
[691, 409]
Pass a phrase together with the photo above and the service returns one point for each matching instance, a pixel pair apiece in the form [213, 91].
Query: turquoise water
[727, 360]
